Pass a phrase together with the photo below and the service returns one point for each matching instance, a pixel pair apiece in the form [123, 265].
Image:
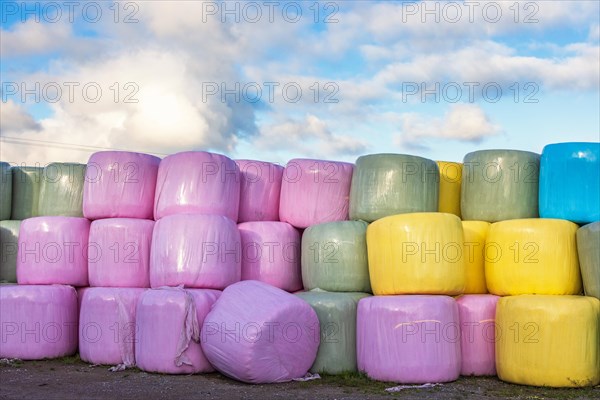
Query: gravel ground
[71, 378]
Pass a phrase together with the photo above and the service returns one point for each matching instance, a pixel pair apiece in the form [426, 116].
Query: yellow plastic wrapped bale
[532, 256]
[474, 250]
[548, 340]
[450, 182]
[417, 253]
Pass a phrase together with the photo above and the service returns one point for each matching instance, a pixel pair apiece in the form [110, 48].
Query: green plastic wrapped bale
[334, 257]
[26, 191]
[61, 191]
[5, 190]
[337, 318]
[389, 184]
[9, 237]
[588, 248]
[500, 184]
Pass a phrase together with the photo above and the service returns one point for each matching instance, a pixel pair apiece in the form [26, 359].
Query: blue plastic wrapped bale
[570, 182]
[5, 190]
[499, 184]
[588, 247]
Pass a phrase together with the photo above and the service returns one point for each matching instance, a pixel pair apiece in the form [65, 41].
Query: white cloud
[463, 122]
[309, 136]
[15, 119]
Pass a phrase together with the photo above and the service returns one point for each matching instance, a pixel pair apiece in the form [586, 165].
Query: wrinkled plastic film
[30, 306]
[570, 182]
[197, 182]
[5, 191]
[337, 318]
[334, 257]
[532, 256]
[197, 251]
[588, 248]
[27, 182]
[281, 334]
[418, 253]
[314, 192]
[389, 184]
[450, 183]
[260, 190]
[120, 184]
[548, 340]
[61, 191]
[499, 185]
[9, 246]
[271, 254]
[408, 339]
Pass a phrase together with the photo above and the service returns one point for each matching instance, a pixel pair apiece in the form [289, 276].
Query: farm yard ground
[70, 378]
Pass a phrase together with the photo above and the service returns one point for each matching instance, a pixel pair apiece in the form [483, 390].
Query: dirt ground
[70, 378]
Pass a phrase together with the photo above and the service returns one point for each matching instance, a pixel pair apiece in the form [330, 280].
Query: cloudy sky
[277, 80]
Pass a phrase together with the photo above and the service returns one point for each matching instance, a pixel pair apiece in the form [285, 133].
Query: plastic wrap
[450, 183]
[9, 245]
[570, 182]
[548, 340]
[588, 249]
[5, 190]
[389, 184]
[314, 192]
[271, 254]
[337, 318]
[200, 251]
[408, 339]
[120, 184]
[119, 252]
[61, 190]
[53, 250]
[26, 192]
[417, 253]
[475, 233]
[107, 325]
[334, 257]
[257, 333]
[500, 184]
[197, 182]
[38, 322]
[169, 327]
[260, 190]
[532, 256]
[477, 314]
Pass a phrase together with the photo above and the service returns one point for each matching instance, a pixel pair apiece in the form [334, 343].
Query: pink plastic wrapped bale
[197, 251]
[119, 252]
[53, 250]
[38, 322]
[120, 184]
[477, 314]
[260, 189]
[314, 192]
[168, 330]
[107, 325]
[257, 333]
[408, 339]
[197, 182]
[271, 254]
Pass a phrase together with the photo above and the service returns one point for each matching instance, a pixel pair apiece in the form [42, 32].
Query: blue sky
[161, 68]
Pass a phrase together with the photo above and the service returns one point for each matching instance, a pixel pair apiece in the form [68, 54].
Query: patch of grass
[70, 360]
